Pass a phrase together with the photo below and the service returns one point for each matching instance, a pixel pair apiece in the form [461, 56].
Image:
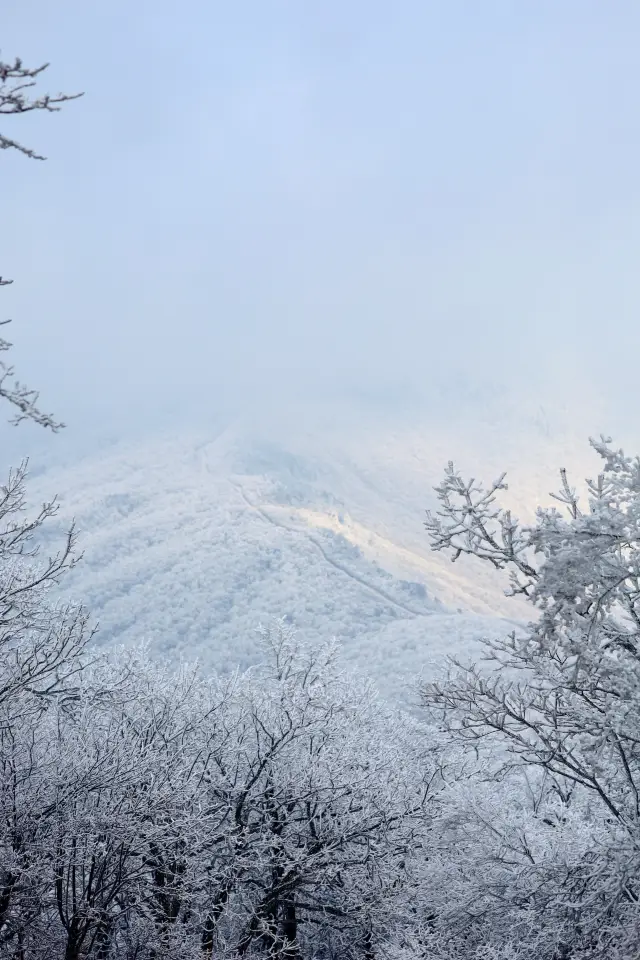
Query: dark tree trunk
[211, 921]
[289, 927]
[74, 943]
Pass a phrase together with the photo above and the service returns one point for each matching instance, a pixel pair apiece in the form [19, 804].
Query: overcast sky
[331, 193]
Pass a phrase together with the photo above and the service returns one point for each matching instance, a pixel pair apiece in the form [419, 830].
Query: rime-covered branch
[469, 522]
[17, 83]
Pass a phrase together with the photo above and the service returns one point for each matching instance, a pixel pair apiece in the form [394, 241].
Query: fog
[258, 201]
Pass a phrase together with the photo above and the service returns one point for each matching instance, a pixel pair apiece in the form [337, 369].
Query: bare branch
[16, 97]
[16, 83]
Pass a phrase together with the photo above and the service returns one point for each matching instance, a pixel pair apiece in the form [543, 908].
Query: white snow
[192, 540]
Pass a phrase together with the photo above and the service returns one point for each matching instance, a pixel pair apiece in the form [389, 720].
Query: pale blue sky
[258, 192]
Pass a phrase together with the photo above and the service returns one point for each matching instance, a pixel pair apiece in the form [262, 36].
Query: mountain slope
[191, 541]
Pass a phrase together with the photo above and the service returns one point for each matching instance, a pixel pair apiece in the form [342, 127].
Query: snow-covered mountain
[192, 540]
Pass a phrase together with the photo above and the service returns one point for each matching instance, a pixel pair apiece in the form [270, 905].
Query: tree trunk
[289, 927]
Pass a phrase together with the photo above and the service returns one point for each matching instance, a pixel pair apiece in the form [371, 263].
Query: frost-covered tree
[329, 807]
[553, 714]
[40, 639]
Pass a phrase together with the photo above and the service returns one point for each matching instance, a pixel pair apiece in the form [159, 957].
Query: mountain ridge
[193, 539]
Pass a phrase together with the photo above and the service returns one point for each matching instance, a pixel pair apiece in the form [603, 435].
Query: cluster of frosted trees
[148, 812]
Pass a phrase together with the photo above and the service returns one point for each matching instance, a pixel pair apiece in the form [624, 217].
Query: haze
[262, 199]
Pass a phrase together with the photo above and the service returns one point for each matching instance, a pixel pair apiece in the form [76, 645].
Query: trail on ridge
[334, 563]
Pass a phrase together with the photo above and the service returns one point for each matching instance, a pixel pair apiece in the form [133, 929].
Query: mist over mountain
[192, 538]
